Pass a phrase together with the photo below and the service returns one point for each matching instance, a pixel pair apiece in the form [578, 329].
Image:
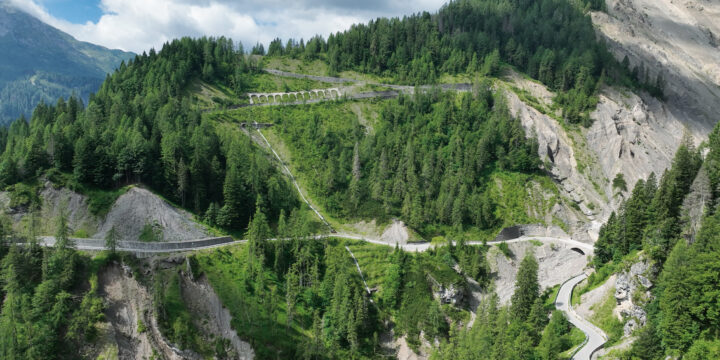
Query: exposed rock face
[634, 135]
[212, 317]
[637, 318]
[678, 39]
[556, 263]
[447, 294]
[626, 284]
[138, 207]
[72, 204]
[129, 304]
[556, 148]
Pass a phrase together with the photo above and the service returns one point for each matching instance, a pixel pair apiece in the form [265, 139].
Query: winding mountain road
[594, 337]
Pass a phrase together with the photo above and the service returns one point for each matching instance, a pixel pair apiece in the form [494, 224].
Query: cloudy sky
[138, 25]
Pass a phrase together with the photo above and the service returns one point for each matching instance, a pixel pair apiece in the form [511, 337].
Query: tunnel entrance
[578, 250]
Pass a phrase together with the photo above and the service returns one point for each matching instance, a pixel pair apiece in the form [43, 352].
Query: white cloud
[138, 25]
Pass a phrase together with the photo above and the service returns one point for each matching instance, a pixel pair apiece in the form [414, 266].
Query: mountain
[442, 186]
[42, 63]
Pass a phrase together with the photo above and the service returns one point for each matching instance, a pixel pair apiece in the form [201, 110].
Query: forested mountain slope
[668, 229]
[41, 63]
[549, 128]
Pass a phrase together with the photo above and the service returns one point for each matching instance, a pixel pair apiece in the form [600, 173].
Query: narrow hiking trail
[359, 271]
[292, 178]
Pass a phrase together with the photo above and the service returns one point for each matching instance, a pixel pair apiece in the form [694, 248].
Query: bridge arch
[578, 250]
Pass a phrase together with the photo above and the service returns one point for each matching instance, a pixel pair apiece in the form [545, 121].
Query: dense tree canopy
[141, 127]
[550, 40]
[683, 311]
[428, 158]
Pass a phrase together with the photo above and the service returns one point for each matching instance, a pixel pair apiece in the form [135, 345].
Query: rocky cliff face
[632, 134]
[632, 294]
[678, 39]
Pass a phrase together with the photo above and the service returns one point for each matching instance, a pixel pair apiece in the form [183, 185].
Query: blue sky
[75, 11]
[138, 25]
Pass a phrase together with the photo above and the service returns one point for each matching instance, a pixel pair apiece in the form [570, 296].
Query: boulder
[449, 295]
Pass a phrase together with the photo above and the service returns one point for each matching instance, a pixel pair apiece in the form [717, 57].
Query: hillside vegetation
[41, 64]
[674, 221]
[141, 127]
[455, 164]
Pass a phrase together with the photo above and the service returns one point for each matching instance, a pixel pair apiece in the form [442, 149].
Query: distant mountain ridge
[42, 63]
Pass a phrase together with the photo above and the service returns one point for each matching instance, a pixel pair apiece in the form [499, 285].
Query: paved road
[424, 246]
[595, 338]
[147, 247]
[210, 243]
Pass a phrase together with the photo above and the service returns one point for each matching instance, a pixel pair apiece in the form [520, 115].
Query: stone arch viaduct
[294, 96]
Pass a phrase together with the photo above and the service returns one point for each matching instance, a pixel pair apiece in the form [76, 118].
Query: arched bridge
[294, 96]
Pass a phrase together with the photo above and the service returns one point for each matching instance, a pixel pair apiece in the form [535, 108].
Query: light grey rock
[138, 207]
[633, 135]
[622, 287]
[449, 295]
[675, 39]
[629, 327]
[627, 282]
[637, 317]
[645, 282]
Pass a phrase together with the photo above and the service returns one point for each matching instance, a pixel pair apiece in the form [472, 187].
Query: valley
[493, 180]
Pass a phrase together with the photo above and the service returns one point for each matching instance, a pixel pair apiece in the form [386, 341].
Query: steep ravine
[631, 134]
[130, 304]
[211, 317]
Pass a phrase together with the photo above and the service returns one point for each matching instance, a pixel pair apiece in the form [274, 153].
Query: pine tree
[551, 344]
[526, 288]
[676, 326]
[111, 239]
[62, 240]
[258, 232]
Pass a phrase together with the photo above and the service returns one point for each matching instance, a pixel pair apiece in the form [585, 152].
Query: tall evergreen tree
[527, 289]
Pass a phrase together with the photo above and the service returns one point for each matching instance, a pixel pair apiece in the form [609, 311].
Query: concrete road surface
[596, 338]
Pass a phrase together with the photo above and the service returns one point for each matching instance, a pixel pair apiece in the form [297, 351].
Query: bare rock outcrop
[211, 316]
[634, 135]
[695, 204]
[631, 134]
[556, 148]
[130, 312]
[72, 204]
[138, 208]
[675, 39]
[630, 286]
